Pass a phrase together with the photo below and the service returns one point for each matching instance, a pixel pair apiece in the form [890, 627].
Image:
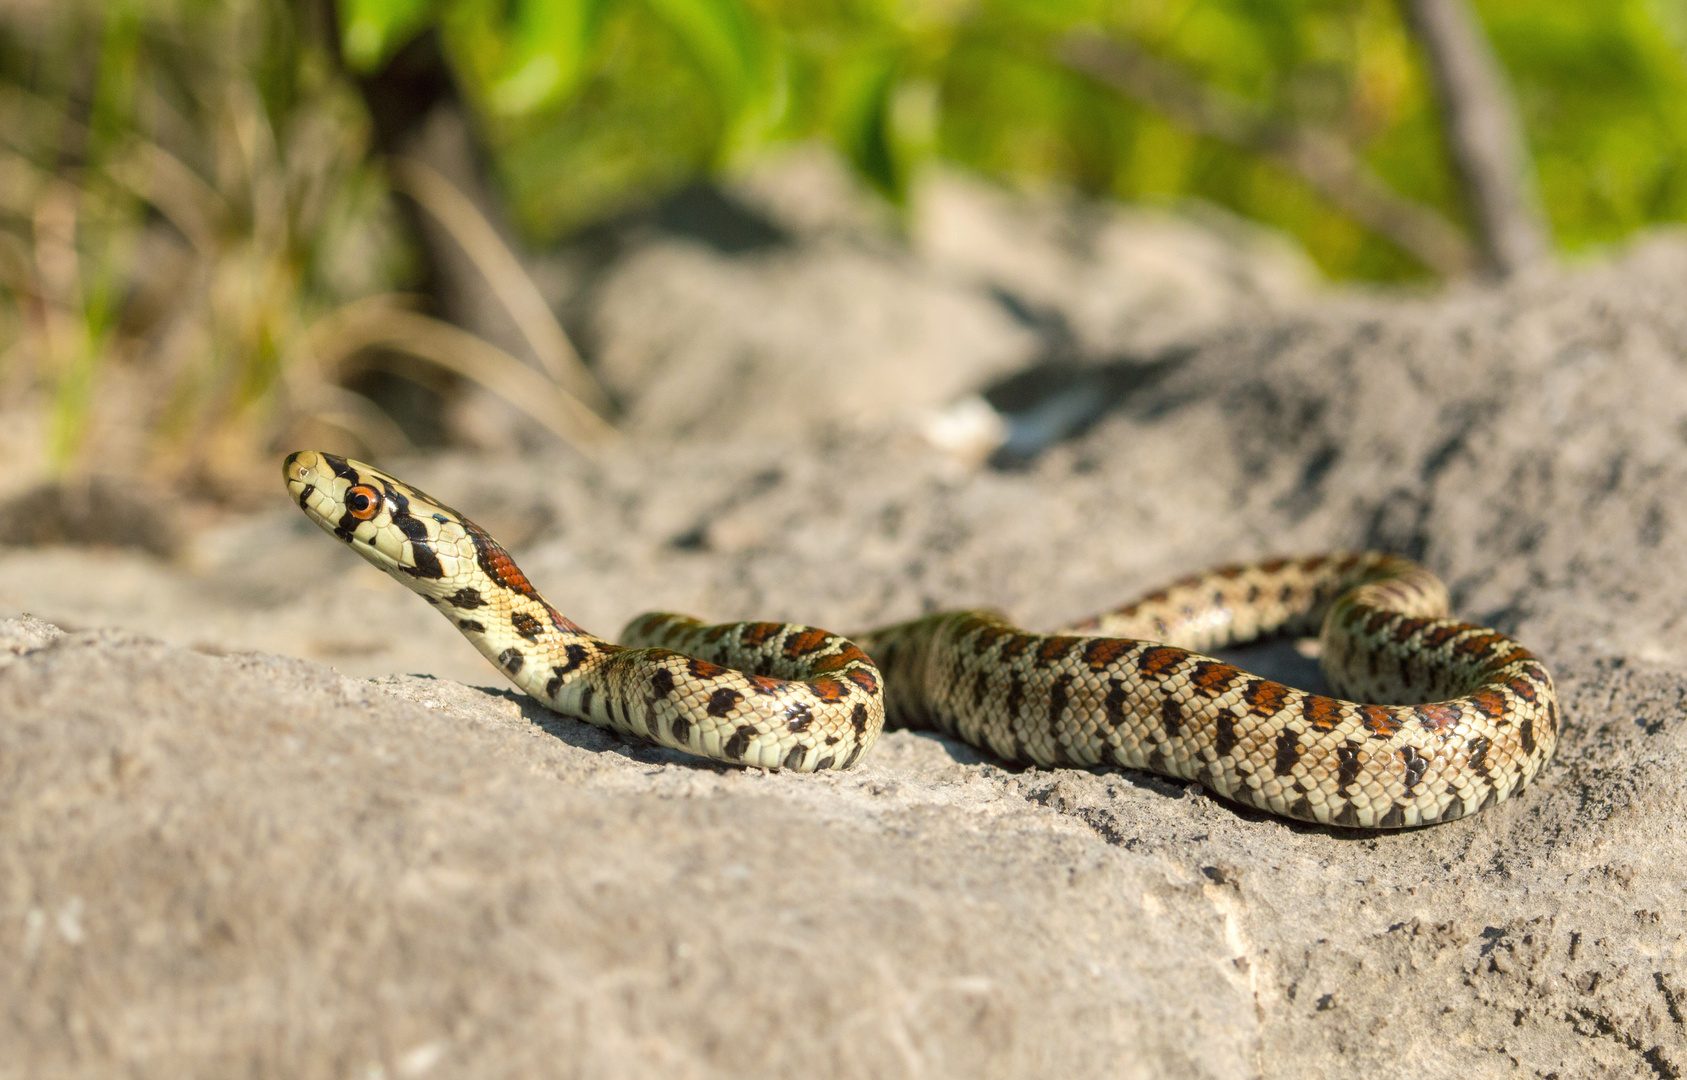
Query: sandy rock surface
[216, 860]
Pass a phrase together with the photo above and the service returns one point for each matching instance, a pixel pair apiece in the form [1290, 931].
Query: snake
[1435, 719]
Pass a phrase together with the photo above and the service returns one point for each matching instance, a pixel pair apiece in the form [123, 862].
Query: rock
[850, 326]
[212, 862]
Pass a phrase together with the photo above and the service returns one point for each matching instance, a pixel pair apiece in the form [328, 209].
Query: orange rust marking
[1438, 718]
[864, 678]
[702, 669]
[1103, 652]
[1490, 703]
[1479, 646]
[1408, 627]
[1212, 679]
[757, 633]
[1323, 712]
[1159, 660]
[1054, 648]
[1379, 719]
[1265, 697]
[839, 661]
[829, 690]
[798, 645]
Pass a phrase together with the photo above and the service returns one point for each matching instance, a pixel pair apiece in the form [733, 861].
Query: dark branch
[1484, 137]
[1318, 157]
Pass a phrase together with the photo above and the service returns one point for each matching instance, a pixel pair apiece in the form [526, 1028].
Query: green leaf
[721, 37]
[548, 47]
[372, 30]
[861, 120]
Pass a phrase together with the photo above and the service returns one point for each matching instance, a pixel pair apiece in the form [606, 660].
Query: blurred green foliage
[590, 105]
[190, 201]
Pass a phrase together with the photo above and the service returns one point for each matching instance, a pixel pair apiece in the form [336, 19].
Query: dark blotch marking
[1523, 688]
[682, 730]
[662, 683]
[1478, 759]
[1527, 732]
[739, 743]
[723, 701]
[587, 696]
[470, 626]
[1416, 765]
[1288, 752]
[1394, 819]
[824, 763]
[1016, 696]
[1301, 809]
[1171, 716]
[526, 625]
[511, 659]
[800, 717]
[1348, 815]
[858, 719]
[1347, 768]
[1224, 732]
[1113, 705]
[576, 655]
[793, 759]
[467, 598]
[1058, 700]
[980, 687]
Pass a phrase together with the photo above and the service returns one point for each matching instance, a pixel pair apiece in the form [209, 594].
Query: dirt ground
[264, 814]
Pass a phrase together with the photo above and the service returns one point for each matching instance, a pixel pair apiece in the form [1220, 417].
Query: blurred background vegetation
[196, 228]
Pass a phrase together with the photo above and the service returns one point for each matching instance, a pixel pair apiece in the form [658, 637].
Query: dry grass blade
[190, 204]
[504, 273]
[378, 322]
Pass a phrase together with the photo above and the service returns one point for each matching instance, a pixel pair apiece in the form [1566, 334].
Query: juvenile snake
[1470, 716]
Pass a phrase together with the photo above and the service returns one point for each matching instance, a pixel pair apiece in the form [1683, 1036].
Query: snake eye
[362, 501]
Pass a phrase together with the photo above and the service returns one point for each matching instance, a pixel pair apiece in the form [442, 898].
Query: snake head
[399, 529]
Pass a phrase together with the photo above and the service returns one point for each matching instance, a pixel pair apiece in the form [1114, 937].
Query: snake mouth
[305, 473]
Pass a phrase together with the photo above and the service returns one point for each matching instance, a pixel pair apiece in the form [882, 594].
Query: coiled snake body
[1464, 715]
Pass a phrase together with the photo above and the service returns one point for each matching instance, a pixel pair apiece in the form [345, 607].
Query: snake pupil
[361, 501]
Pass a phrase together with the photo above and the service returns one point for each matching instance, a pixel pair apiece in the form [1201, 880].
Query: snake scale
[1462, 716]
